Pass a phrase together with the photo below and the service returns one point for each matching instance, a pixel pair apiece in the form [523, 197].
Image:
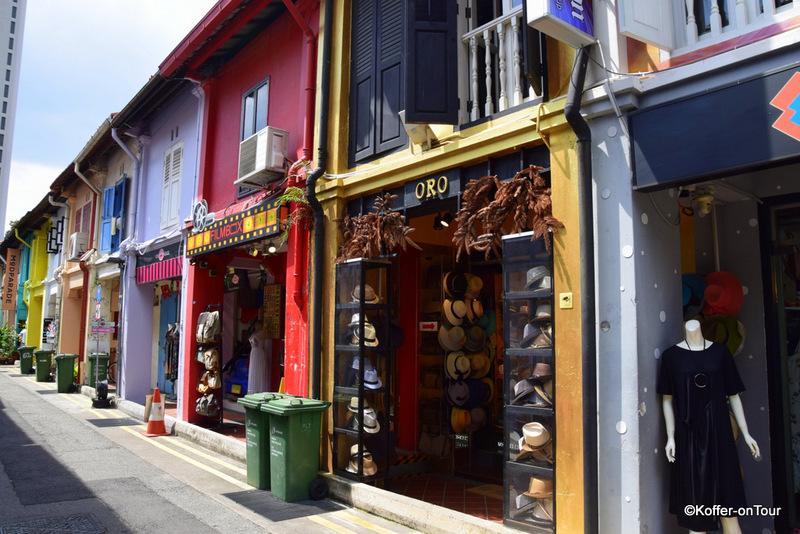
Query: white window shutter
[175, 185]
[649, 21]
[165, 189]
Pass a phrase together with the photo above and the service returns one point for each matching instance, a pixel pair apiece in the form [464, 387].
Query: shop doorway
[168, 343]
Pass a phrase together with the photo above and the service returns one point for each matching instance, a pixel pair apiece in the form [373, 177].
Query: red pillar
[296, 369]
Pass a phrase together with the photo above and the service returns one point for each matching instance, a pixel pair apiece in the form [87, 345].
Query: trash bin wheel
[318, 489]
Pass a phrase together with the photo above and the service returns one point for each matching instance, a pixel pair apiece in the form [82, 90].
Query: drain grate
[73, 524]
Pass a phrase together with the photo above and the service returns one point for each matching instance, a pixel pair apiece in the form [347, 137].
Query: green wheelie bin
[294, 436]
[25, 359]
[44, 360]
[65, 371]
[256, 425]
[99, 359]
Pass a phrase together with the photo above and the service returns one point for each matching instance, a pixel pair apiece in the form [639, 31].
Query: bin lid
[254, 400]
[26, 348]
[43, 352]
[65, 356]
[290, 405]
[98, 356]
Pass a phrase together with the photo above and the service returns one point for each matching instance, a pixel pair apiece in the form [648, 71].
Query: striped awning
[160, 264]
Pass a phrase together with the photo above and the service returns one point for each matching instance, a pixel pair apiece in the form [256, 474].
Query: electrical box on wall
[568, 21]
[261, 157]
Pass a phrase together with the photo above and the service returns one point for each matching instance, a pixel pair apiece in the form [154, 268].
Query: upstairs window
[171, 186]
[255, 104]
[111, 224]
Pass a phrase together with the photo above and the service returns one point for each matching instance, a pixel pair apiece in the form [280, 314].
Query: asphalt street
[68, 467]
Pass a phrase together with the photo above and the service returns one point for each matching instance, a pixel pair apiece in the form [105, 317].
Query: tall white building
[12, 23]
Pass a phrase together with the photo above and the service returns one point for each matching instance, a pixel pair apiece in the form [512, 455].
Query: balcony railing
[494, 61]
[711, 21]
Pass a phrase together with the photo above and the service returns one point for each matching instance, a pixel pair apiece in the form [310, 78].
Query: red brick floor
[452, 494]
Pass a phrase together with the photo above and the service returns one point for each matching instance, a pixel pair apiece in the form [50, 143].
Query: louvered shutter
[120, 198]
[175, 185]
[389, 76]
[165, 189]
[105, 222]
[362, 95]
[432, 64]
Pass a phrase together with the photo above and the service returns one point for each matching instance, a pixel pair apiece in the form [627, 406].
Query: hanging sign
[569, 21]
[439, 186]
[255, 223]
[10, 282]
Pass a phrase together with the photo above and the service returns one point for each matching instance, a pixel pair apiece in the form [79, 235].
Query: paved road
[67, 465]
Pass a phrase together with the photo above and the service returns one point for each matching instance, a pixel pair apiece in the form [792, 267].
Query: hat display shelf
[363, 369]
[528, 358]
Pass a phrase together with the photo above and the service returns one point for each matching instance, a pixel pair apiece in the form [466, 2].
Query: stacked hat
[460, 419]
[370, 335]
[371, 378]
[474, 310]
[367, 463]
[475, 339]
[457, 365]
[538, 278]
[457, 392]
[370, 297]
[452, 338]
[454, 311]
[536, 443]
[536, 390]
[480, 363]
[370, 417]
[474, 286]
[455, 285]
[723, 294]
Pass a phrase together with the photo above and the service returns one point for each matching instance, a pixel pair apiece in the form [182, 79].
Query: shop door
[783, 327]
[169, 315]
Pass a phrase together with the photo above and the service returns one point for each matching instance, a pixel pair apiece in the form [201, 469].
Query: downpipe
[572, 112]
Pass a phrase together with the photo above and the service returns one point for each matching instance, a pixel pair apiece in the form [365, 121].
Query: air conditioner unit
[261, 157]
[78, 244]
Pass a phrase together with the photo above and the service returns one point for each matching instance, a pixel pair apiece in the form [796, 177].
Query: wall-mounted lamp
[705, 203]
[272, 249]
[442, 221]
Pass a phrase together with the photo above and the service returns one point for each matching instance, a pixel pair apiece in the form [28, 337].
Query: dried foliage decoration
[373, 234]
[525, 198]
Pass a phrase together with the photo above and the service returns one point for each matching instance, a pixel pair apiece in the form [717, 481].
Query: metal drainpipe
[311, 195]
[572, 112]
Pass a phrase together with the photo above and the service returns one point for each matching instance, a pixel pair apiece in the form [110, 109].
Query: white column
[473, 52]
[517, 62]
[691, 23]
[487, 41]
[502, 103]
[741, 13]
[716, 18]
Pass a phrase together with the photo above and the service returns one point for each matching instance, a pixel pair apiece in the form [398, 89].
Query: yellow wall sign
[255, 223]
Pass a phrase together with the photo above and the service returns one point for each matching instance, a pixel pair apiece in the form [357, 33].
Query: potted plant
[7, 344]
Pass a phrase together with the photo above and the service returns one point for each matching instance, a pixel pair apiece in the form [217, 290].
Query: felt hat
[457, 392]
[459, 419]
[455, 285]
[368, 464]
[480, 364]
[457, 366]
[542, 370]
[452, 338]
[723, 294]
[726, 330]
[370, 336]
[540, 488]
[543, 312]
[529, 333]
[544, 338]
[370, 297]
[693, 288]
[476, 339]
[454, 311]
[535, 276]
[371, 379]
[543, 509]
[474, 309]
[474, 286]
[522, 390]
[543, 393]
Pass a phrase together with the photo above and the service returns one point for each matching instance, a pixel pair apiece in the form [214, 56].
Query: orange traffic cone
[155, 423]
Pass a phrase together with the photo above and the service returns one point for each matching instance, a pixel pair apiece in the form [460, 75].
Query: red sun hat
[723, 294]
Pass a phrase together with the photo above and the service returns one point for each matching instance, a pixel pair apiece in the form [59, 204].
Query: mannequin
[257, 381]
[697, 376]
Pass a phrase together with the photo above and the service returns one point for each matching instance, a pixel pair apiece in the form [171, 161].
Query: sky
[83, 60]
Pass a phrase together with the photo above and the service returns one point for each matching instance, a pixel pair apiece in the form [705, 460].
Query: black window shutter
[432, 62]
[362, 92]
[389, 101]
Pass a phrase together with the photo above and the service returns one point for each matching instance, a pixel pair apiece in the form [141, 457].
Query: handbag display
[207, 405]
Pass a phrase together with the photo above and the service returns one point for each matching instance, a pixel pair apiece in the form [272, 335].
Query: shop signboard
[10, 282]
[249, 225]
[162, 263]
[446, 184]
[569, 21]
[272, 309]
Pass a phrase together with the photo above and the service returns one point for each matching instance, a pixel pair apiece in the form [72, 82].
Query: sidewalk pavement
[412, 513]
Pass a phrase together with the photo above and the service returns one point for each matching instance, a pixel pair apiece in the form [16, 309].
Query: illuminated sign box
[569, 21]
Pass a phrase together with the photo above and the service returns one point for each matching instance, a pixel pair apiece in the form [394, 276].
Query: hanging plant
[488, 203]
[301, 213]
[373, 234]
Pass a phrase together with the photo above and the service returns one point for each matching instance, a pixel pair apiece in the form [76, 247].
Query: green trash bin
[44, 360]
[25, 359]
[99, 359]
[294, 446]
[65, 371]
[256, 425]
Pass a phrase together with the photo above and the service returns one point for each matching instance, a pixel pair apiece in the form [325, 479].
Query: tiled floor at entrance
[484, 501]
[232, 422]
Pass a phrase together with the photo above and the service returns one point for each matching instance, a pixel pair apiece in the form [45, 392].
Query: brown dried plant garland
[372, 234]
[490, 202]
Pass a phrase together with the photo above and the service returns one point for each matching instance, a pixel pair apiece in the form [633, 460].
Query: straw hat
[474, 309]
[370, 336]
[455, 285]
[371, 379]
[355, 320]
[454, 311]
[457, 365]
[452, 338]
[370, 297]
[535, 435]
[480, 364]
[474, 286]
[476, 339]
[459, 419]
[368, 464]
[543, 509]
[540, 487]
[371, 424]
[353, 406]
[723, 294]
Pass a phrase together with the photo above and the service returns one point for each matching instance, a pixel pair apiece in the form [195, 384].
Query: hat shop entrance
[464, 402]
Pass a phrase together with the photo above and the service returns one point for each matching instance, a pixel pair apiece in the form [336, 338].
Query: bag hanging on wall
[202, 383]
[208, 327]
[211, 358]
[214, 379]
[207, 405]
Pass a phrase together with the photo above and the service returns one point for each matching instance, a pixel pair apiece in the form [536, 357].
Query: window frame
[244, 131]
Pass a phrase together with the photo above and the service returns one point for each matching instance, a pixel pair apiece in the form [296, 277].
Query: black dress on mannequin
[706, 468]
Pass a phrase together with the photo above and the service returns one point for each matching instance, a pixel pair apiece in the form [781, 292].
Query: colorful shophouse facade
[255, 66]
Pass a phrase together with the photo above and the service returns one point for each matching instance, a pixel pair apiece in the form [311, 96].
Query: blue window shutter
[432, 62]
[120, 197]
[105, 222]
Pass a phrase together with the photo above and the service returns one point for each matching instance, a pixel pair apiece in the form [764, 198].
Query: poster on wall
[272, 309]
[48, 330]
